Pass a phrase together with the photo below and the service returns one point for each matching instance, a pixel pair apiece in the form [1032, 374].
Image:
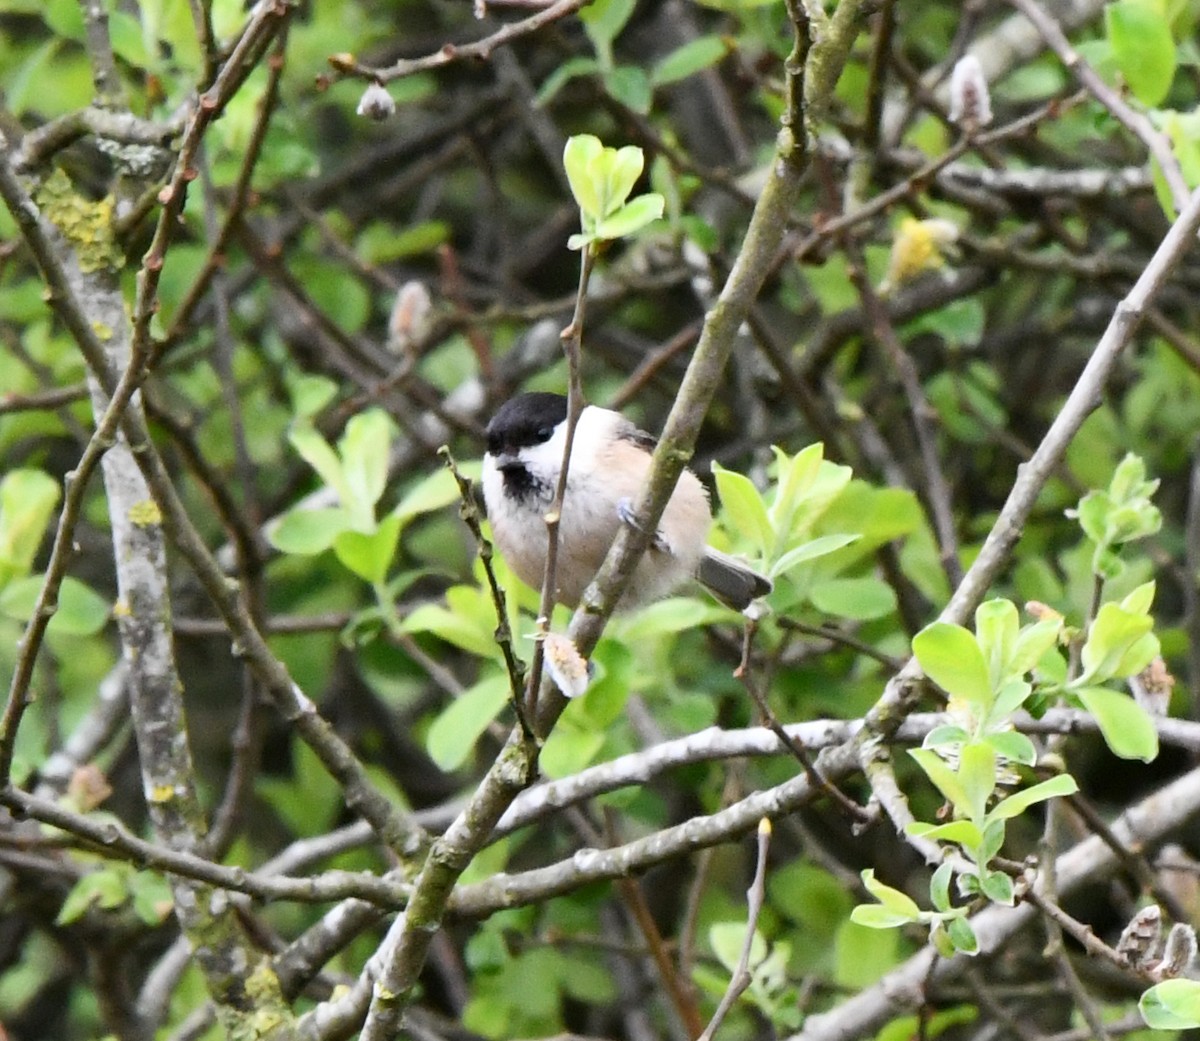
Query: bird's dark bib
[523, 485]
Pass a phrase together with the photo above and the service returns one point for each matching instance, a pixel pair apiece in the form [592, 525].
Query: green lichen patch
[145, 513]
[87, 225]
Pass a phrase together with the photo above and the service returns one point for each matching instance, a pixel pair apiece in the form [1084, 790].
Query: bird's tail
[735, 584]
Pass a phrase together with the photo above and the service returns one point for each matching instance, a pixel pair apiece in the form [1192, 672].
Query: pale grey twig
[1135, 122]
[755, 896]
[1086, 863]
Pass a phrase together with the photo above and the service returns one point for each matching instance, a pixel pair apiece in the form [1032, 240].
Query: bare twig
[451, 52]
[1135, 122]
[755, 896]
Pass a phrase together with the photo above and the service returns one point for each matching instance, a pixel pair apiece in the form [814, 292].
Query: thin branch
[1032, 476]
[1135, 122]
[112, 840]
[468, 510]
[1087, 863]
[755, 897]
[452, 52]
[921, 414]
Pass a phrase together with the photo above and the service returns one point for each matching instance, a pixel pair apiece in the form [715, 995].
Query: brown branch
[451, 52]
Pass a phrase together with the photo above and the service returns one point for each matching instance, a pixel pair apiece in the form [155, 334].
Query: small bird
[609, 461]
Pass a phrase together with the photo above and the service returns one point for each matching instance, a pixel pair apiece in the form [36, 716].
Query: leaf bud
[410, 319]
[1139, 940]
[376, 103]
[970, 102]
[1180, 951]
[567, 667]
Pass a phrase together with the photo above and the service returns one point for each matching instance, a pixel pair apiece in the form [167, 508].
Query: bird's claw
[627, 516]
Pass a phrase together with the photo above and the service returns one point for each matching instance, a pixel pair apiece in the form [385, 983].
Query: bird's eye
[545, 433]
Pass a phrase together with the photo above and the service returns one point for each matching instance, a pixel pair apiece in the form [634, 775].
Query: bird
[610, 458]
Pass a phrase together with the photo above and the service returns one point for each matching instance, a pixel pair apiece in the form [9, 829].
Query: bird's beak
[505, 461]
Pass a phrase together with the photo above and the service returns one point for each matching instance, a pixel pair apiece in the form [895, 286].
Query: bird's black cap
[527, 419]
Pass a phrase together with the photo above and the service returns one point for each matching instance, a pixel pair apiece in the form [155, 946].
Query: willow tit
[609, 461]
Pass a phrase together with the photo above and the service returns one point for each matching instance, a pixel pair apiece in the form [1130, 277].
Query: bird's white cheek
[517, 527]
[493, 487]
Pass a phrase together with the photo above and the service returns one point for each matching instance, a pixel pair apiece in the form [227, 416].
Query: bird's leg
[627, 516]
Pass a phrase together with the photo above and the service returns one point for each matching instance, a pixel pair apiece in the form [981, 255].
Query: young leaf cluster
[601, 179]
[992, 674]
[356, 473]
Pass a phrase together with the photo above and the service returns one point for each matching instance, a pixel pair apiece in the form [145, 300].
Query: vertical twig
[755, 896]
[572, 337]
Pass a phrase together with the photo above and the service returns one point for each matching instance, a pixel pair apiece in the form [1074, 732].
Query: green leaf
[569, 749]
[810, 550]
[689, 59]
[452, 627]
[431, 493]
[152, 900]
[308, 532]
[992, 840]
[1009, 698]
[1092, 513]
[106, 888]
[946, 734]
[945, 947]
[307, 799]
[27, 501]
[1115, 644]
[876, 916]
[622, 168]
[65, 19]
[963, 832]
[310, 394]
[364, 449]
[892, 899]
[1129, 477]
[1018, 803]
[1140, 600]
[369, 554]
[387, 245]
[1172, 1005]
[579, 156]
[861, 956]
[736, 6]
[945, 779]
[939, 887]
[315, 451]
[727, 940]
[795, 476]
[81, 610]
[997, 887]
[962, 936]
[996, 629]
[560, 77]
[632, 217]
[977, 774]
[1141, 42]
[1013, 745]
[603, 20]
[1127, 728]
[741, 500]
[859, 598]
[950, 656]
[453, 734]
[675, 614]
[128, 41]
